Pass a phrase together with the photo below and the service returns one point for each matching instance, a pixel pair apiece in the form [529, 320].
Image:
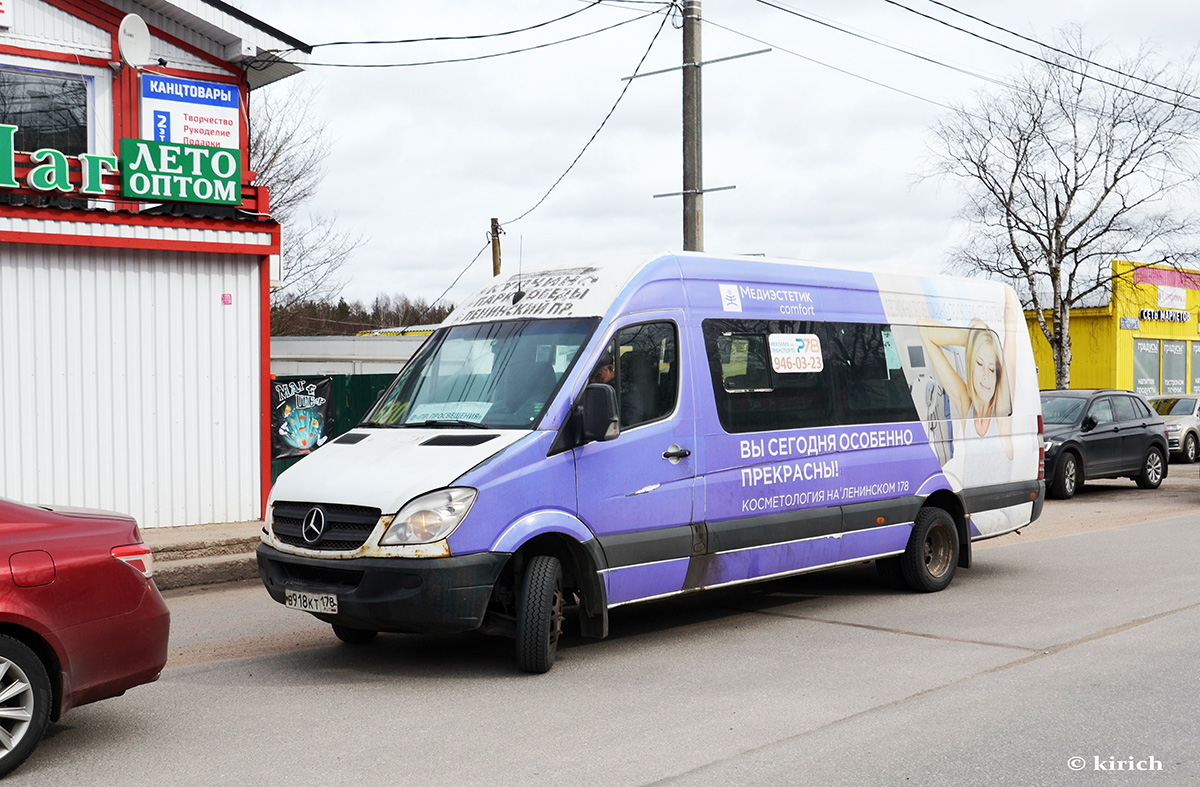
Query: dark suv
[1101, 434]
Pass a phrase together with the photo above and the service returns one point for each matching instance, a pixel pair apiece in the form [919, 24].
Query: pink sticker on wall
[227, 299]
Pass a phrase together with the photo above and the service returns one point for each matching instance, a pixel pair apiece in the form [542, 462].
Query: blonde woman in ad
[983, 397]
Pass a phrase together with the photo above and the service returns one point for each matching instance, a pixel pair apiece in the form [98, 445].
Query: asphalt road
[1077, 639]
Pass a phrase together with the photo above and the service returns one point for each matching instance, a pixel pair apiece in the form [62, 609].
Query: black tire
[1067, 477]
[1189, 448]
[1153, 469]
[890, 572]
[929, 561]
[26, 709]
[540, 610]
[353, 636]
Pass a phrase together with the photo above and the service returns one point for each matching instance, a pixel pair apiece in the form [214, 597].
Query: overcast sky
[827, 164]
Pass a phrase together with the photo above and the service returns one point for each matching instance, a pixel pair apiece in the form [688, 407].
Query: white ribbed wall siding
[126, 384]
[39, 25]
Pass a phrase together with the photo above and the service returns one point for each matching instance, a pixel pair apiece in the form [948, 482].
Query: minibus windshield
[488, 375]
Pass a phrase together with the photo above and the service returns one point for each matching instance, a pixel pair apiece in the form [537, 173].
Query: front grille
[346, 527]
[322, 575]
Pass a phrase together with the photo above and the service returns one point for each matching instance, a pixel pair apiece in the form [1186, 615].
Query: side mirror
[1089, 423]
[597, 413]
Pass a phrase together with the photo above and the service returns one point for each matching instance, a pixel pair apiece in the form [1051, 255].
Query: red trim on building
[143, 219]
[97, 14]
[150, 244]
[185, 73]
[264, 287]
[45, 54]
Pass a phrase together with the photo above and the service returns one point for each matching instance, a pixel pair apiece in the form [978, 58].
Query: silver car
[1183, 424]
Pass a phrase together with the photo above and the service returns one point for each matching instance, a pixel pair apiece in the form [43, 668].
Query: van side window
[859, 380]
[647, 372]
[872, 376]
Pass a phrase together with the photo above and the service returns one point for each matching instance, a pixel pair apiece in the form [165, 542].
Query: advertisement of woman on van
[622, 431]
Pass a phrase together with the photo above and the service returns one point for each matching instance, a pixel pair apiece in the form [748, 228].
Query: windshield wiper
[437, 423]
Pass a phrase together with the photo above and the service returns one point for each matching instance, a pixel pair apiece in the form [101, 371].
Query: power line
[1084, 74]
[438, 299]
[474, 37]
[877, 42]
[488, 56]
[596, 133]
[1034, 41]
[833, 67]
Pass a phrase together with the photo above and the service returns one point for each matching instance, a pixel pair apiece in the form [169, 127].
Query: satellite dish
[133, 40]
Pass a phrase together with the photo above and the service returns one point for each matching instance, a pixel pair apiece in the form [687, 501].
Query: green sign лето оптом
[172, 172]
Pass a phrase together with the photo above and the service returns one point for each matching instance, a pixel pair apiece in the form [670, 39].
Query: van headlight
[429, 517]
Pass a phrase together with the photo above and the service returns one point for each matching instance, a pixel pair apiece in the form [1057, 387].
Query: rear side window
[776, 374]
[1143, 409]
[1126, 408]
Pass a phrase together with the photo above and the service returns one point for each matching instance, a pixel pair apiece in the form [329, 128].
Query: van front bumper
[407, 595]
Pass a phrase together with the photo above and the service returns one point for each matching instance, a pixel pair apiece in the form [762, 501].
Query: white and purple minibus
[602, 433]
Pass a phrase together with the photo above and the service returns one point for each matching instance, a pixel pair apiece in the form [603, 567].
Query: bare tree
[1072, 165]
[288, 148]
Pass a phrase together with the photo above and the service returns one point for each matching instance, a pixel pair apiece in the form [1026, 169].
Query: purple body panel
[518, 481]
[763, 473]
[633, 583]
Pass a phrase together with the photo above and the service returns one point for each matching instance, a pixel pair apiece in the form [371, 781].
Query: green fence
[353, 395]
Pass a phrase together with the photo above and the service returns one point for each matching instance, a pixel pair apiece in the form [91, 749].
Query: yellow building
[1146, 339]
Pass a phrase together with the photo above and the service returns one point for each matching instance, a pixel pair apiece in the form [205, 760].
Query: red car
[81, 619]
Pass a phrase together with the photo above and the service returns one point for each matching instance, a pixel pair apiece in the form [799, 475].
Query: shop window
[1195, 368]
[1174, 367]
[1145, 366]
[49, 110]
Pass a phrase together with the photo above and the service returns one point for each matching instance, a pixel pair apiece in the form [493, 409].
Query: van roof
[588, 287]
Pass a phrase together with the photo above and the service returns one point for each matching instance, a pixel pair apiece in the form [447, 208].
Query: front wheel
[1189, 448]
[929, 560]
[1066, 477]
[540, 609]
[1152, 470]
[24, 702]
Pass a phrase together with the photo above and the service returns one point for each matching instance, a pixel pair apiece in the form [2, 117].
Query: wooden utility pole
[495, 247]
[693, 147]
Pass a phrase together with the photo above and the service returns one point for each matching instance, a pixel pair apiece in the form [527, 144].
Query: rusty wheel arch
[952, 504]
[580, 574]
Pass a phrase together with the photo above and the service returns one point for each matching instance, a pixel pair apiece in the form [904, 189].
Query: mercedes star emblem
[314, 525]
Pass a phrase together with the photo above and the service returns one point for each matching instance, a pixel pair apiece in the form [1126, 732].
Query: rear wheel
[1152, 470]
[352, 636]
[1189, 448]
[540, 614]
[24, 702]
[1066, 478]
[929, 561]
